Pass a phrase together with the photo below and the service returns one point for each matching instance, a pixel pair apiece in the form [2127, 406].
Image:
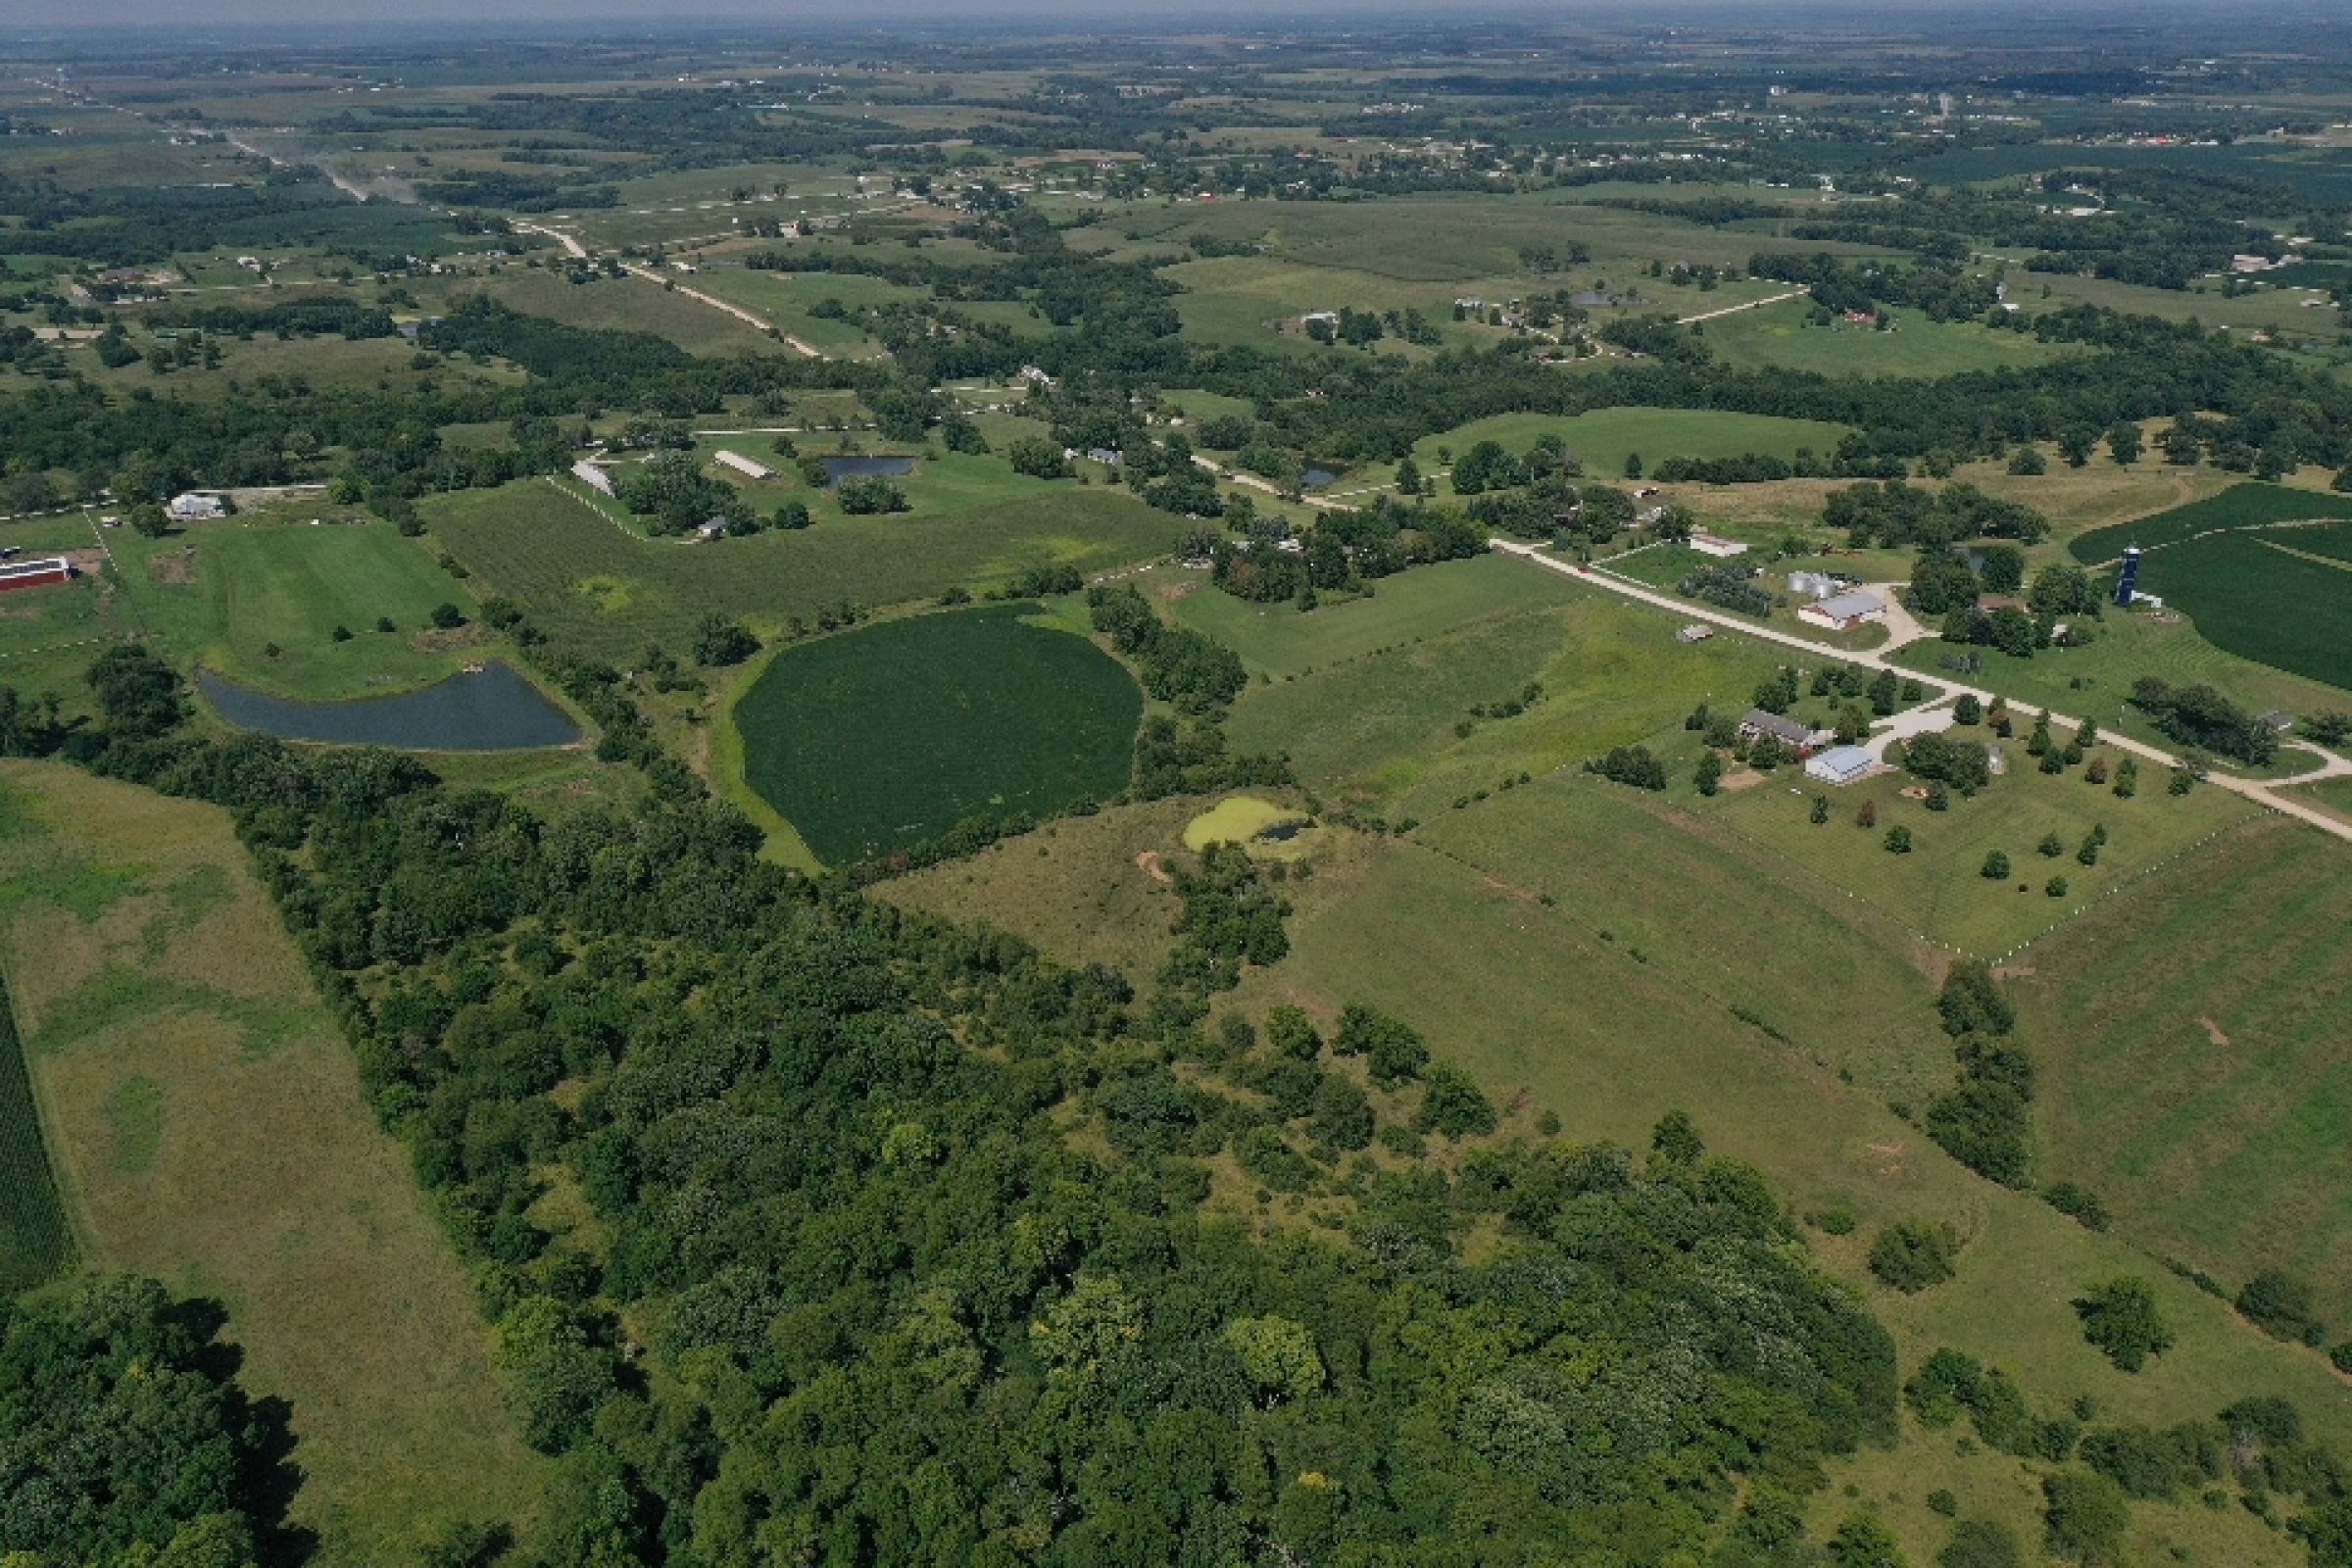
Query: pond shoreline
[493, 708]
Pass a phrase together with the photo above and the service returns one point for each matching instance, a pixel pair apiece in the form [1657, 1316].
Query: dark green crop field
[874, 741]
[2261, 603]
[2245, 506]
[33, 1238]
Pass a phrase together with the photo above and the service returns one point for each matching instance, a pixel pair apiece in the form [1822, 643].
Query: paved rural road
[2259, 792]
[1751, 304]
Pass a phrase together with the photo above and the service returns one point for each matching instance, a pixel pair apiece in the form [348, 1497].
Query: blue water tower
[2126, 585]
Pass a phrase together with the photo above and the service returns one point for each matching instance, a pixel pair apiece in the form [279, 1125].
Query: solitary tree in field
[1996, 867]
[2119, 1317]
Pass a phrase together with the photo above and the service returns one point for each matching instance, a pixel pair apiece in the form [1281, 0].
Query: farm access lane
[1751, 304]
[2259, 792]
[580, 253]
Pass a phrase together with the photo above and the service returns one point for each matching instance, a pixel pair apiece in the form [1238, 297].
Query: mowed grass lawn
[1937, 889]
[208, 1128]
[221, 594]
[1605, 437]
[600, 589]
[880, 739]
[2191, 1034]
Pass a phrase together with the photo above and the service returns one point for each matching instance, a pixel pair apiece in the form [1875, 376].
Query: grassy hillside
[2192, 1032]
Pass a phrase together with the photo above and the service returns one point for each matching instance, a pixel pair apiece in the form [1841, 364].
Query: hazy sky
[311, 16]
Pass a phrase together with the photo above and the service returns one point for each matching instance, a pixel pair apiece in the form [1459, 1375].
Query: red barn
[44, 572]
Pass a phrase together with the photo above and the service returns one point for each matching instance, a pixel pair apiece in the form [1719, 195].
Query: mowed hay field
[877, 740]
[2191, 1034]
[208, 1128]
[225, 593]
[1605, 437]
[599, 589]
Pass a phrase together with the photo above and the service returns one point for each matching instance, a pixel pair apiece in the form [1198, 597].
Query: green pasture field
[880, 739]
[1281, 287]
[1936, 890]
[1280, 642]
[220, 594]
[2333, 794]
[1381, 729]
[1777, 336]
[325, 362]
[35, 1240]
[2190, 1034]
[598, 588]
[2273, 310]
[2242, 506]
[1605, 437]
[625, 304]
[1450, 240]
[208, 1128]
[784, 298]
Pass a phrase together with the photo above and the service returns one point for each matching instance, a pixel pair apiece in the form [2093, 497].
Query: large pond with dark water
[840, 469]
[488, 710]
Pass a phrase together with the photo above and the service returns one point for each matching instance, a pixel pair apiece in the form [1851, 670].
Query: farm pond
[840, 469]
[488, 710]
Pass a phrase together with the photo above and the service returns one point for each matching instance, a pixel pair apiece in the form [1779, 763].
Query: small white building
[1840, 765]
[710, 528]
[748, 468]
[195, 507]
[1707, 544]
[1843, 612]
[1698, 631]
[594, 478]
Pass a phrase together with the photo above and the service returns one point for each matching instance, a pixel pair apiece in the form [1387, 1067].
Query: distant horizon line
[310, 24]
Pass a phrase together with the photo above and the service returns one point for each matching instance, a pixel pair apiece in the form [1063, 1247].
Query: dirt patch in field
[1890, 1158]
[1747, 778]
[2213, 1032]
[175, 569]
[1148, 862]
